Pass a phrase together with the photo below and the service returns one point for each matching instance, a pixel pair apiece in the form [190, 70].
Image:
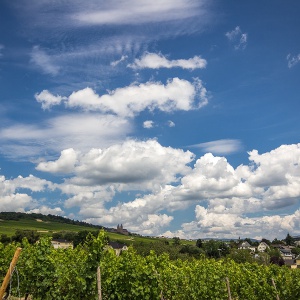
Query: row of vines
[47, 273]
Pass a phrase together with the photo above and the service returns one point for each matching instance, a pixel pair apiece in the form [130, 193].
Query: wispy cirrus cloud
[116, 62]
[293, 60]
[1, 48]
[238, 38]
[136, 12]
[220, 147]
[79, 130]
[156, 61]
[43, 61]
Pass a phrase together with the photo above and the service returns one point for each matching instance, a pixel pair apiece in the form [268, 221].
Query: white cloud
[15, 202]
[148, 124]
[136, 12]
[130, 165]
[42, 60]
[212, 225]
[293, 60]
[65, 163]
[238, 38]
[47, 99]
[171, 124]
[116, 62]
[12, 194]
[229, 202]
[45, 210]
[1, 48]
[156, 61]
[177, 94]
[80, 131]
[221, 147]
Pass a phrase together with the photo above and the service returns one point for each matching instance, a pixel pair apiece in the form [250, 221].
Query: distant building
[122, 230]
[61, 243]
[262, 247]
[247, 246]
[117, 247]
[286, 252]
[296, 240]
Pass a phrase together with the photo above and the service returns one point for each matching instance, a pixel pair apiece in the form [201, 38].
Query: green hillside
[49, 224]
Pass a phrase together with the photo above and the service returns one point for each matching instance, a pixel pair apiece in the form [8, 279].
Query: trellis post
[9, 272]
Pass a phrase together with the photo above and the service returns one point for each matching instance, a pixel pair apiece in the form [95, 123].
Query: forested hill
[16, 216]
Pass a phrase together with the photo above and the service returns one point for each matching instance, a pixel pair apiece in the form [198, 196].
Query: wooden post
[228, 288]
[9, 272]
[273, 283]
[99, 283]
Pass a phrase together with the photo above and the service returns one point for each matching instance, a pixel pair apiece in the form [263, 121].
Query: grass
[47, 228]
[9, 227]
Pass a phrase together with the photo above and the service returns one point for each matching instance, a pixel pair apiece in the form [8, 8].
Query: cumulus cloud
[45, 210]
[293, 60]
[156, 61]
[65, 163]
[43, 61]
[229, 202]
[47, 99]
[130, 165]
[221, 147]
[238, 38]
[177, 94]
[13, 196]
[231, 196]
[214, 225]
[148, 124]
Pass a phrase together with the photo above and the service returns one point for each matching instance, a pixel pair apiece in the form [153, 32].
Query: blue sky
[179, 118]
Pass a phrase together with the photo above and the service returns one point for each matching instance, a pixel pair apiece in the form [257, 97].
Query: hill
[49, 224]
[12, 221]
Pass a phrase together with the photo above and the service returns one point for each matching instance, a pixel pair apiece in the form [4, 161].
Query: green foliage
[215, 249]
[48, 273]
[289, 240]
[199, 243]
[176, 241]
[241, 256]
[32, 236]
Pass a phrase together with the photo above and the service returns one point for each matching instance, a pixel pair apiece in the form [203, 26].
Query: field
[9, 227]
[45, 228]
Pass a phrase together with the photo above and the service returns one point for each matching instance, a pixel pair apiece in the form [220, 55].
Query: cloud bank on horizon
[166, 118]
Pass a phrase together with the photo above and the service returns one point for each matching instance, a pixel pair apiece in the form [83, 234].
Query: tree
[289, 240]
[176, 241]
[32, 236]
[241, 256]
[199, 243]
[266, 241]
[5, 239]
[277, 260]
[215, 249]
[276, 242]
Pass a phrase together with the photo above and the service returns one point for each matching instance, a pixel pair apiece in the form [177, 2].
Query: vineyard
[47, 273]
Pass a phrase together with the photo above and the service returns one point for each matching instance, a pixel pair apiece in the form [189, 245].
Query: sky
[175, 118]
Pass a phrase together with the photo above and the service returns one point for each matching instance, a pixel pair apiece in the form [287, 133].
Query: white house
[61, 243]
[117, 247]
[247, 246]
[262, 247]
